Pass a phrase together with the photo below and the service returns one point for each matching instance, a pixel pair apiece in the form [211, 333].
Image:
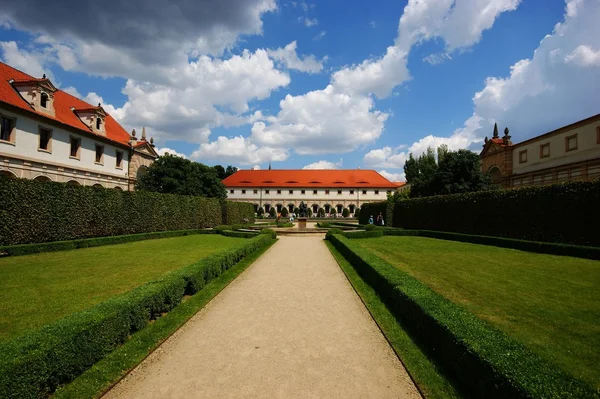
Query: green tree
[223, 173]
[273, 212]
[230, 170]
[420, 173]
[346, 212]
[170, 174]
[321, 213]
[260, 211]
[357, 213]
[284, 212]
[460, 172]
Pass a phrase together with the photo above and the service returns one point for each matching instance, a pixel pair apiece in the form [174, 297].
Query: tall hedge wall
[34, 212]
[372, 209]
[565, 213]
[236, 212]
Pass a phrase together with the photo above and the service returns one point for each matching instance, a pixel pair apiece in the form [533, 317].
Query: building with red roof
[332, 190]
[48, 134]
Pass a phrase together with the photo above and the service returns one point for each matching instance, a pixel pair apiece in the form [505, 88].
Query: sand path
[290, 326]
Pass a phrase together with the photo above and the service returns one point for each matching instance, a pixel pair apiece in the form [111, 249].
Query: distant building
[569, 153]
[327, 189]
[48, 134]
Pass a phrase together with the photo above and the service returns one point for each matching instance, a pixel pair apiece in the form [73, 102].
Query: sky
[316, 84]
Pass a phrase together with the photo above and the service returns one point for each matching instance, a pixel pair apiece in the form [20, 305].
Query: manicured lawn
[549, 303]
[38, 289]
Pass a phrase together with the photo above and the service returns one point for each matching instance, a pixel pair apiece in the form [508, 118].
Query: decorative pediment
[146, 148]
[39, 93]
[92, 117]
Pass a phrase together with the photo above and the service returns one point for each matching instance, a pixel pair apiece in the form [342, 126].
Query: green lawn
[549, 303]
[38, 289]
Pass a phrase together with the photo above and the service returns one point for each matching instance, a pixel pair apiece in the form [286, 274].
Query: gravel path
[290, 326]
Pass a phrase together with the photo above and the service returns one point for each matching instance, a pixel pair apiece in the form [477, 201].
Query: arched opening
[44, 100]
[98, 185]
[279, 206]
[327, 208]
[255, 208]
[118, 188]
[98, 123]
[496, 175]
[315, 209]
[339, 208]
[142, 170]
[267, 208]
[73, 183]
[42, 178]
[351, 208]
[291, 207]
[7, 175]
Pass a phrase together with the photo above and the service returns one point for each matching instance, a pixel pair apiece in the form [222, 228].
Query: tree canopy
[453, 172]
[223, 173]
[170, 174]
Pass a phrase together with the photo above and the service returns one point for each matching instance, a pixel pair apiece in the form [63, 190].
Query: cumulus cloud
[31, 62]
[437, 58]
[584, 56]
[288, 57]
[166, 150]
[238, 150]
[320, 122]
[393, 177]
[324, 165]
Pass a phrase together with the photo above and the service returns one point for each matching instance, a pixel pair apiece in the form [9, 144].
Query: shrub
[260, 211]
[36, 363]
[371, 233]
[345, 212]
[273, 212]
[237, 212]
[370, 227]
[26, 249]
[565, 213]
[331, 232]
[284, 212]
[296, 211]
[309, 212]
[321, 213]
[357, 214]
[332, 211]
[483, 359]
[270, 232]
[36, 212]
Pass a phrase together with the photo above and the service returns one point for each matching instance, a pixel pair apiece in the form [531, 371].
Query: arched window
[118, 188]
[73, 183]
[315, 208]
[142, 170]
[279, 206]
[327, 208]
[98, 123]
[291, 207]
[7, 175]
[496, 175]
[267, 208]
[98, 185]
[340, 208]
[351, 208]
[42, 178]
[44, 100]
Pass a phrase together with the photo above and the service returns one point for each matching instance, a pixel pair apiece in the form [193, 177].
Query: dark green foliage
[273, 212]
[239, 234]
[223, 173]
[237, 212]
[386, 208]
[576, 251]
[371, 233]
[370, 227]
[331, 232]
[35, 364]
[35, 212]
[285, 224]
[26, 249]
[357, 213]
[324, 225]
[260, 211]
[332, 211]
[345, 212]
[297, 211]
[485, 361]
[564, 213]
[270, 232]
[454, 172]
[170, 174]
[321, 213]
[284, 212]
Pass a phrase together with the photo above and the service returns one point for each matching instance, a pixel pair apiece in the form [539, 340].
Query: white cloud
[310, 22]
[320, 122]
[324, 165]
[320, 35]
[72, 91]
[555, 87]
[165, 150]
[288, 57]
[393, 177]
[238, 150]
[256, 167]
[31, 62]
[584, 56]
[437, 58]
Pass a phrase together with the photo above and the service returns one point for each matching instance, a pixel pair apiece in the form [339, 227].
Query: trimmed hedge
[577, 251]
[35, 364]
[35, 212]
[485, 361]
[26, 249]
[365, 234]
[374, 208]
[565, 213]
[236, 212]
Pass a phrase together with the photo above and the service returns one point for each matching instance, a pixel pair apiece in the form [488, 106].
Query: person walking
[371, 219]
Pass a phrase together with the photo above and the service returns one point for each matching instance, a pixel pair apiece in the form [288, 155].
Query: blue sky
[336, 84]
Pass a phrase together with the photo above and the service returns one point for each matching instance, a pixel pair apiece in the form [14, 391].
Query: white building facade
[327, 189]
[47, 134]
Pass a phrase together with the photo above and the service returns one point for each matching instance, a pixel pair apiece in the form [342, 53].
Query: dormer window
[92, 117]
[44, 100]
[98, 123]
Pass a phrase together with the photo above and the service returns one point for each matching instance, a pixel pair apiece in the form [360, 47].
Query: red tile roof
[354, 178]
[62, 106]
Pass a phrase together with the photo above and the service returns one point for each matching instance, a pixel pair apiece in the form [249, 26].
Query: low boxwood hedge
[364, 234]
[577, 251]
[26, 249]
[485, 361]
[35, 364]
